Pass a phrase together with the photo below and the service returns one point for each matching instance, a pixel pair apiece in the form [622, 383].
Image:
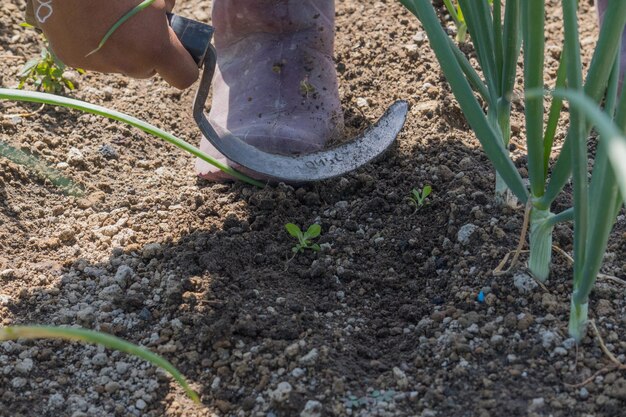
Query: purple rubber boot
[602, 6]
[276, 84]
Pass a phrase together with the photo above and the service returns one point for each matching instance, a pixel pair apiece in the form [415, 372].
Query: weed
[46, 73]
[304, 239]
[419, 196]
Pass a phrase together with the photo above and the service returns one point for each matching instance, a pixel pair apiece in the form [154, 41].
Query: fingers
[169, 5]
[176, 65]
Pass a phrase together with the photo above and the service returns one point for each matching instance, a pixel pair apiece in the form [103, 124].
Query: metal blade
[310, 167]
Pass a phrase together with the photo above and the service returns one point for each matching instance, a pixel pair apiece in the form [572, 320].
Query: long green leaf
[30, 96]
[533, 28]
[89, 336]
[578, 136]
[555, 114]
[600, 68]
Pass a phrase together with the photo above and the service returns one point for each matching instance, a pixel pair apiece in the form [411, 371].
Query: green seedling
[304, 239]
[46, 73]
[418, 197]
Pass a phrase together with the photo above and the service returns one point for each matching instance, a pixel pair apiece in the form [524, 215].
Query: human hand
[140, 48]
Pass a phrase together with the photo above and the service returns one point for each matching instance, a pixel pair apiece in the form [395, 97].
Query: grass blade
[89, 336]
[34, 97]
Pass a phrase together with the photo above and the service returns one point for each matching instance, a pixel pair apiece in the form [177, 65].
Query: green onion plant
[498, 34]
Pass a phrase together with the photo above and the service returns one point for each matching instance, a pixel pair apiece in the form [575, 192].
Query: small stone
[151, 250]
[108, 151]
[112, 387]
[86, 315]
[298, 372]
[583, 394]
[401, 380]
[549, 339]
[465, 233]
[310, 358]
[99, 359]
[122, 367]
[111, 293]
[292, 350]
[140, 404]
[497, 339]
[281, 393]
[362, 102]
[560, 351]
[7, 274]
[56, 401]
[24, 366]
[18, 382]
[524, 283]
[75, 157]
[536, 403]
[123, 275]
[312, 409]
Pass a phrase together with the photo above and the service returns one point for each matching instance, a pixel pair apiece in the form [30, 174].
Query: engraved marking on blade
[323, 162]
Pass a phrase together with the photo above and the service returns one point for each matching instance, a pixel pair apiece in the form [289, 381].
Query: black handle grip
[195, 36]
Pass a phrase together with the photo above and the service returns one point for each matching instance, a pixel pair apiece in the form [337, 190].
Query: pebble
[123, 274]
[401, 380]
[75, 157]
[583, 394]
[465, 233]
[292, 350]
[18, 382]
[281, 393]
[561, 351]
[99, 359]
[549, 338]
[56, 401]
[7, 274]
[524, 283]
[312, 408]
[362, 102]
[108, 152]
[298, 372]
[310, 358]
[151, 250]
[24, 366]
[140, 404]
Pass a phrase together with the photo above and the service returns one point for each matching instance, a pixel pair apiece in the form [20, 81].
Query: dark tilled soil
[384, 321]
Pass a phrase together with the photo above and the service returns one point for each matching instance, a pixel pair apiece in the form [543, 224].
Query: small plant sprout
[304, 239]
[46, 73]
[419, 196]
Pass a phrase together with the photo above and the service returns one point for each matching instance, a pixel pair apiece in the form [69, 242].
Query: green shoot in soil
[304, 239]
[419, 197]
[46, 73]
[89, 336]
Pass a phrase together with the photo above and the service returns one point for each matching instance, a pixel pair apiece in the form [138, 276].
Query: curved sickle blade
[311, 167]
